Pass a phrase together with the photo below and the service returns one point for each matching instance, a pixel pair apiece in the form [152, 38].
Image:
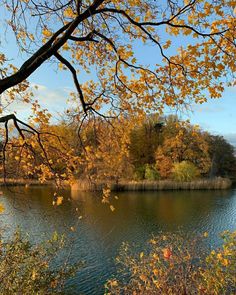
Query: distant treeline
[176, 149]
[151, 148]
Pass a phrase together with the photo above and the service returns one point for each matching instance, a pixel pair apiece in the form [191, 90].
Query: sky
[218, 116]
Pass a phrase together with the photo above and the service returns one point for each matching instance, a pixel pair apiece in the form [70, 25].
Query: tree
[223, 160]
[182, 142]
[106, 156]
[100, 36]
[144, 140]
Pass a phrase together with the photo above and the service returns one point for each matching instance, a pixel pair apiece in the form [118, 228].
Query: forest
[153, 148]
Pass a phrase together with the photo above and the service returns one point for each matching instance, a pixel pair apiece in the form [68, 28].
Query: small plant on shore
[28, 269]
[172, 265]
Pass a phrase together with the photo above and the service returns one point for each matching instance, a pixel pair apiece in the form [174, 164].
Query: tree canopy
[101, 38]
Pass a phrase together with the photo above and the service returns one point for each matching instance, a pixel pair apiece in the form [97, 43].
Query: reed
[145, 185]
[21, 182]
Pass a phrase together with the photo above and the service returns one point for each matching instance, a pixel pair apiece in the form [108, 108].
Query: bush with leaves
[29, 269]
[139, 173]
[151, 173]
[172, 265]
[185, 171]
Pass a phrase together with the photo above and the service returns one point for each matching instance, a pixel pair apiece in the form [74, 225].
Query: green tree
[222, 154]
[185, 171]
[144, 140]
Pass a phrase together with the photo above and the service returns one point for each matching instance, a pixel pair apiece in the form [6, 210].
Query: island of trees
[154, 148]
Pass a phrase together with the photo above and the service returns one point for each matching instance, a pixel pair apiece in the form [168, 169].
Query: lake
[99, 234]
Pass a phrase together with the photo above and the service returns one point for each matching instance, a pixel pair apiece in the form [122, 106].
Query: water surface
[100, 232]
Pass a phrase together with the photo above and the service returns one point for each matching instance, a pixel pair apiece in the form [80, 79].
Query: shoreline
[144, 185]
[201, 184]
[22, 182]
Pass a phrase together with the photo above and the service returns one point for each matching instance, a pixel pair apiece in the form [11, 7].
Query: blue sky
[217, 116]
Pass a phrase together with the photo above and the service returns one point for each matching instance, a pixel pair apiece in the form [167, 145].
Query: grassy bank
[205, 184]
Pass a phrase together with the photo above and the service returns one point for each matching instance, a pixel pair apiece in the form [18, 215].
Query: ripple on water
[101, 232]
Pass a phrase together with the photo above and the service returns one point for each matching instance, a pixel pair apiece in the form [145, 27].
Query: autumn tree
[100, 37]
[182, 142]
[144, 140]
[108, 159]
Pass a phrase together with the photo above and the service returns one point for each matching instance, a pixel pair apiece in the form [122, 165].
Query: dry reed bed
[145, 185]
[21, 182]
[201, 184]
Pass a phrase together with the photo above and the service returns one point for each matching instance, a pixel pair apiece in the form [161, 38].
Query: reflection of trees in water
[164, 208]
[32, 211]
[176, 207]
[134, 211]
[137, 216]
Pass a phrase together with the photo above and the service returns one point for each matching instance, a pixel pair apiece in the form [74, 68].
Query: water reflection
[100, 232]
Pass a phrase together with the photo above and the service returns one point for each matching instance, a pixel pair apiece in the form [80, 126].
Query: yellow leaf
[114, 283]
[143, 277]
[112, 208]
[46, 33]
[225, 262]
[155, 271]
[155, 256]
[205, 235]
[68, 12]
[59, 200]
[36, 120]
[152, 241]
[33, 277]
[2, 209]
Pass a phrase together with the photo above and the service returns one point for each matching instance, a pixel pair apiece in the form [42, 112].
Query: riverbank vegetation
[171, 264]
[26, 268]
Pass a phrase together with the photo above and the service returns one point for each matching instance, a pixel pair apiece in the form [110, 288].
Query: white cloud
[52, 99]
[55, 100]
[231, 138]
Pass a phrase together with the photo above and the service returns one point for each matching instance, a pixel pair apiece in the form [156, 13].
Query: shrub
[151, 173]
[185, 171]
[27, 269]
[139, 173]
[172, 265]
